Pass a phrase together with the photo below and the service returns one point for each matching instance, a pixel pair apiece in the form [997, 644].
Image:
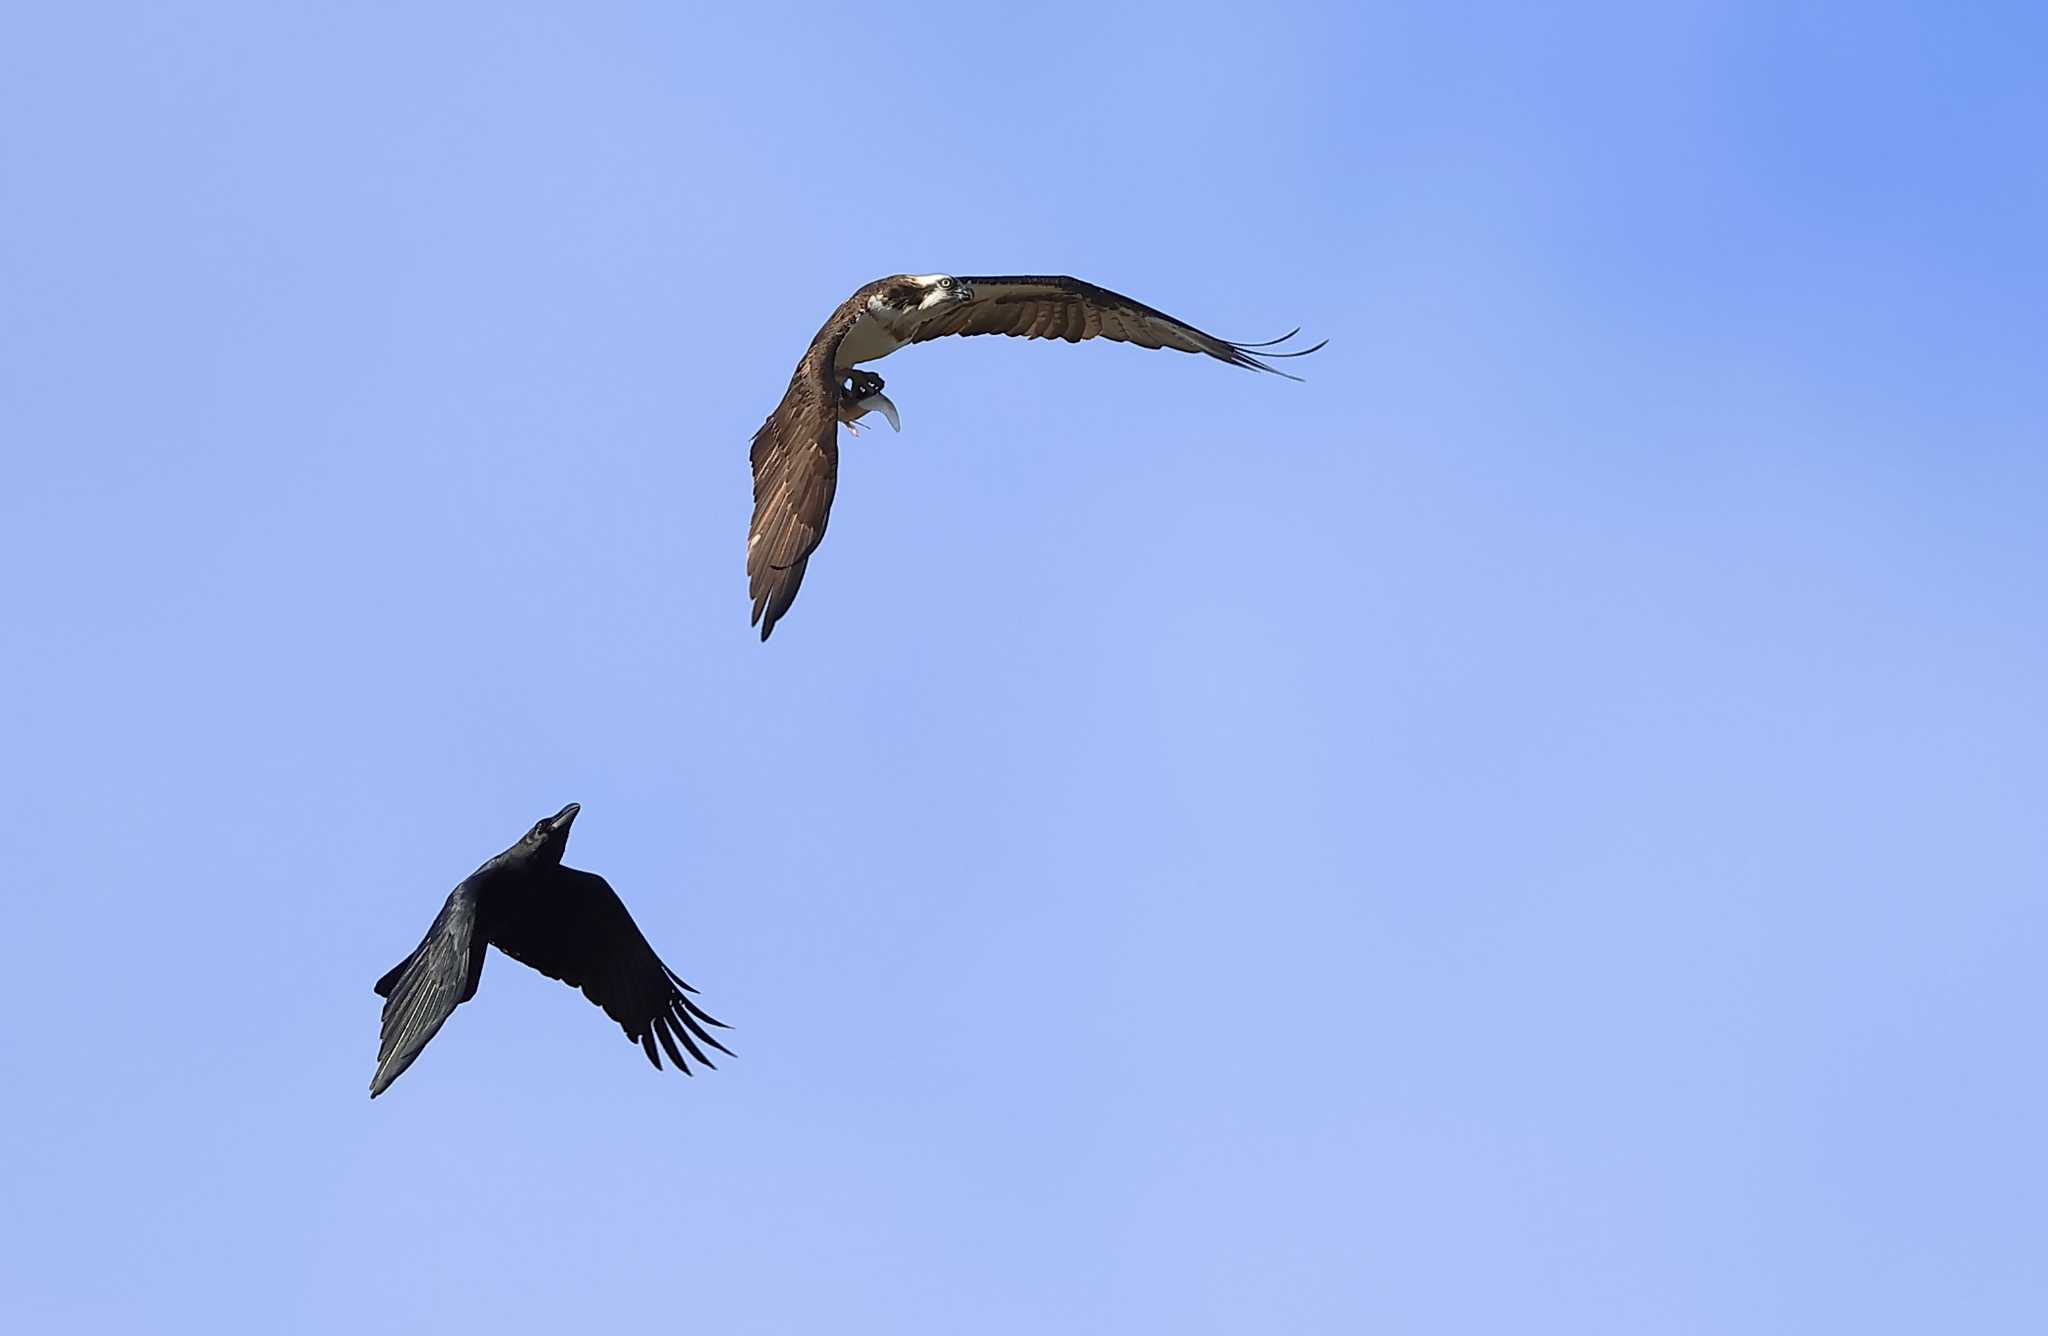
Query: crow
[567, 924]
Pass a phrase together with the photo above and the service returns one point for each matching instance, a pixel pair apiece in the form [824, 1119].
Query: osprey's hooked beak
[879, 403]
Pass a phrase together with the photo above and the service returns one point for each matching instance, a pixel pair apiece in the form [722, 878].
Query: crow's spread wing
[440, 975]
[578, 931]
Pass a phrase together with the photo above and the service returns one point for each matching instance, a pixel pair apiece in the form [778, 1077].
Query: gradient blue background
[1538, 829]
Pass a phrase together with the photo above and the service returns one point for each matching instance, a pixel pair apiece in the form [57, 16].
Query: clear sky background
[1537, 829]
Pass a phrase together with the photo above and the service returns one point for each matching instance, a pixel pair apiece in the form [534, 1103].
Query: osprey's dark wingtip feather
[1299, 352]
[1252, 356]
[1270, 342]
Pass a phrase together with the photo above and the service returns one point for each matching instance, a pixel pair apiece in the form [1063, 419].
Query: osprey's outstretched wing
[796, 470]
[1058, 307]
[796, 474]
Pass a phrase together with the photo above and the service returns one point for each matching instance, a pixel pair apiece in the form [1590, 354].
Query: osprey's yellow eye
[945, 282]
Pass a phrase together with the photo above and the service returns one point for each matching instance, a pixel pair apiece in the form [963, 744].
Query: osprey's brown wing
[796, 473]
[1058, 307]
[796, 469]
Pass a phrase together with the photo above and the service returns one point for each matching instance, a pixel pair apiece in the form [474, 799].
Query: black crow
[567, 924]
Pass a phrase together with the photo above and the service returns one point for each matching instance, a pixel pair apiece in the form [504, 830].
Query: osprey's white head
[937, 290]
[896, 308]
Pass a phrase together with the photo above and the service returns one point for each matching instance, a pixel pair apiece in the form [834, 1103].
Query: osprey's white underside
[884, 329]
[867, 340]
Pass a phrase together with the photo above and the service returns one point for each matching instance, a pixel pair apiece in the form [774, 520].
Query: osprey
[796, 452]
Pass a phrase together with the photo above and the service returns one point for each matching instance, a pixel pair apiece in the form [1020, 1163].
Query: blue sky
[1536, 829]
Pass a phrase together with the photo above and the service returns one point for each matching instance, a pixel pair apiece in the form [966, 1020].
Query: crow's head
[550, 835]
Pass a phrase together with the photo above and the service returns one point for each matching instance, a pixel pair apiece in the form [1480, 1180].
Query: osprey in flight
[567, 924]
[796, 452]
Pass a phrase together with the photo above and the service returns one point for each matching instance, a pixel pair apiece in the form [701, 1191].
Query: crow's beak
[560, 824]
[879, 403]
